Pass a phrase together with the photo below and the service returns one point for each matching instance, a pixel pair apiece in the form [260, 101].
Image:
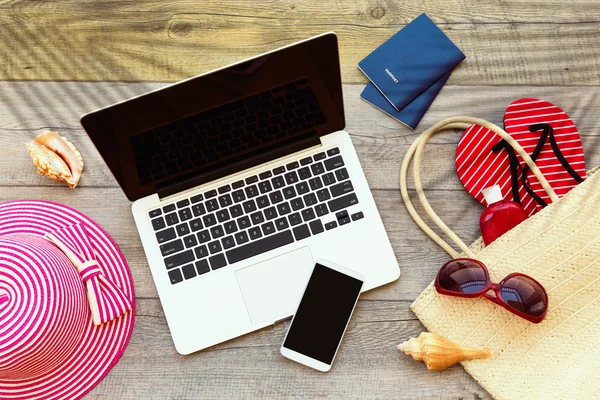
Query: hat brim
[101, 346]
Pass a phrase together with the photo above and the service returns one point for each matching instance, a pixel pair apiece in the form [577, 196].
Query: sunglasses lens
[462, 276]
[525, 295]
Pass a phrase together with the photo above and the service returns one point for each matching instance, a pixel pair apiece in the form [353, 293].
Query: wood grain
[512, 42]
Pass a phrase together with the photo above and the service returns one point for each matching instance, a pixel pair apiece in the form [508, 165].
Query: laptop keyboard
[226, 131]
[221, 227]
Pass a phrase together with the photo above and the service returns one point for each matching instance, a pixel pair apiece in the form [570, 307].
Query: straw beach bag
[559, 247]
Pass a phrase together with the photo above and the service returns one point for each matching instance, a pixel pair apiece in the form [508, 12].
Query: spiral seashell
[439, 353]
[56, 157]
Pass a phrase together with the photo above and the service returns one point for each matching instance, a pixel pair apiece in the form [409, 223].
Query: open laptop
[241, 178]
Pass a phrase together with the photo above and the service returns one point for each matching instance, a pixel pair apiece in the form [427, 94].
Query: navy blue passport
[413, 112]
[411, 61]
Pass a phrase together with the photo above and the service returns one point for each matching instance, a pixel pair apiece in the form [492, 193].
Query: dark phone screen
[323, 314]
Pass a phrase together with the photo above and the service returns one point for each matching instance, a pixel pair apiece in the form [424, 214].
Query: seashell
[439, 353]
[56, 157]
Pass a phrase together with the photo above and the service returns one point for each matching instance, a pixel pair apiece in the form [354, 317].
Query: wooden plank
[27, 108]
[367, 366]
[515, 42]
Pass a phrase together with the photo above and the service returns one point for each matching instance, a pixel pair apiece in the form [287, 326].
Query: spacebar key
[259, 246]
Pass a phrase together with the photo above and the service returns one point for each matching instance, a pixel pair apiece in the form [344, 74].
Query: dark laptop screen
[222, 122]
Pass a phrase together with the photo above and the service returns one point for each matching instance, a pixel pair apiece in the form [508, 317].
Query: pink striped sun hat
[66, 302]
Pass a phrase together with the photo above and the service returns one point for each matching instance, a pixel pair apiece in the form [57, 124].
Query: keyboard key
[196, 224]
[237, 184]
[249, 206]
[289, 192]
[217, 231]
[291, 177]
[330, 225]
[319, 156]
[238, 196]
[251, 191]
[270, 213]
[222, 215]
[260, 246]
[292, 165]
[179, 259]
[284, 208]
[302, 188]
[344, 221]
[155, 213]
[190, 241]
[310, 199]
[166, 235]
[251, 179]
[262, 201]
[341, 188]
[241, 237]
[217, 261]
[342, 202]
[197, 198]
[188, 271]
[333, 152]
[212, 205]
[342, 174]
[202, 267]
[214, 247]
[224, 189]
[225, 200]
[329, 178]
[243, 222]
[333, 163]
[317, 168]
[203, 236]
[158, 223]
[315, 183]
[265, 186]
[316, 227]
[265, 175]
[306, 161]
[175, 276]
[171, 247]
[255, 232]
[279, 170]
[236, 211]
[276, 197]
[172, 219]
[169, 208]
[210, 193]
[321, 209]
[341, 214]
[185, 214]
[296, 203]
[230, 227]
[228, 242]
[268, 228]
[278, 182]
[323, 195]
[209, 220]
[357, 216]
[198, 210]
[301, 232]
[308, 214]
[295, 219]
[257, 218]
[201, 251]
[182, 229]
[304, 173]
[183, 203]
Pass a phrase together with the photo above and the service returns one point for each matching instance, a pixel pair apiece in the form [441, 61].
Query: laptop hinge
[199, 179]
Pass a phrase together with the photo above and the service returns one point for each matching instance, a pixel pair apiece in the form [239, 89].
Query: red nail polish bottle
[500, 216]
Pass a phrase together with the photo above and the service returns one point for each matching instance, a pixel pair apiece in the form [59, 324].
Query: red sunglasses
[518, 293]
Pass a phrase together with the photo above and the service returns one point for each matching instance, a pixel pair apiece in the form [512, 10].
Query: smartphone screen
[323, 314]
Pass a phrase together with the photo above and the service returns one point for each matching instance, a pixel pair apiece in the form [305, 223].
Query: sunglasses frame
[496, 287]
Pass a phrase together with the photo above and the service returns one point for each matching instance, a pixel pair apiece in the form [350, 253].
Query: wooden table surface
[60, 59]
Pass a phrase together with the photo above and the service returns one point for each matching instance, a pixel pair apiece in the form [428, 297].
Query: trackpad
[272, 288]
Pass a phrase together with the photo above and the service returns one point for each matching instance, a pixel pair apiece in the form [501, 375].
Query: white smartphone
[320, 322]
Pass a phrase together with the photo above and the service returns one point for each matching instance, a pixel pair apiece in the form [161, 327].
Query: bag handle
[416, 150]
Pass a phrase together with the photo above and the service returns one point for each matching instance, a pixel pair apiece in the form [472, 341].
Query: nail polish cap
[492, 194]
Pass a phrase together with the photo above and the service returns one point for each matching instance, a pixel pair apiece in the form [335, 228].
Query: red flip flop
[550, 137]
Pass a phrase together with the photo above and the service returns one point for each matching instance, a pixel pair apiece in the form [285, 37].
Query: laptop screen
[222, 122]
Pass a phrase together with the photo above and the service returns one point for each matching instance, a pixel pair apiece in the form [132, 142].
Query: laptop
[240, 179]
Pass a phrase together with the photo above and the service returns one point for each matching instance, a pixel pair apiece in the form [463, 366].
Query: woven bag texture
[560, 357]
